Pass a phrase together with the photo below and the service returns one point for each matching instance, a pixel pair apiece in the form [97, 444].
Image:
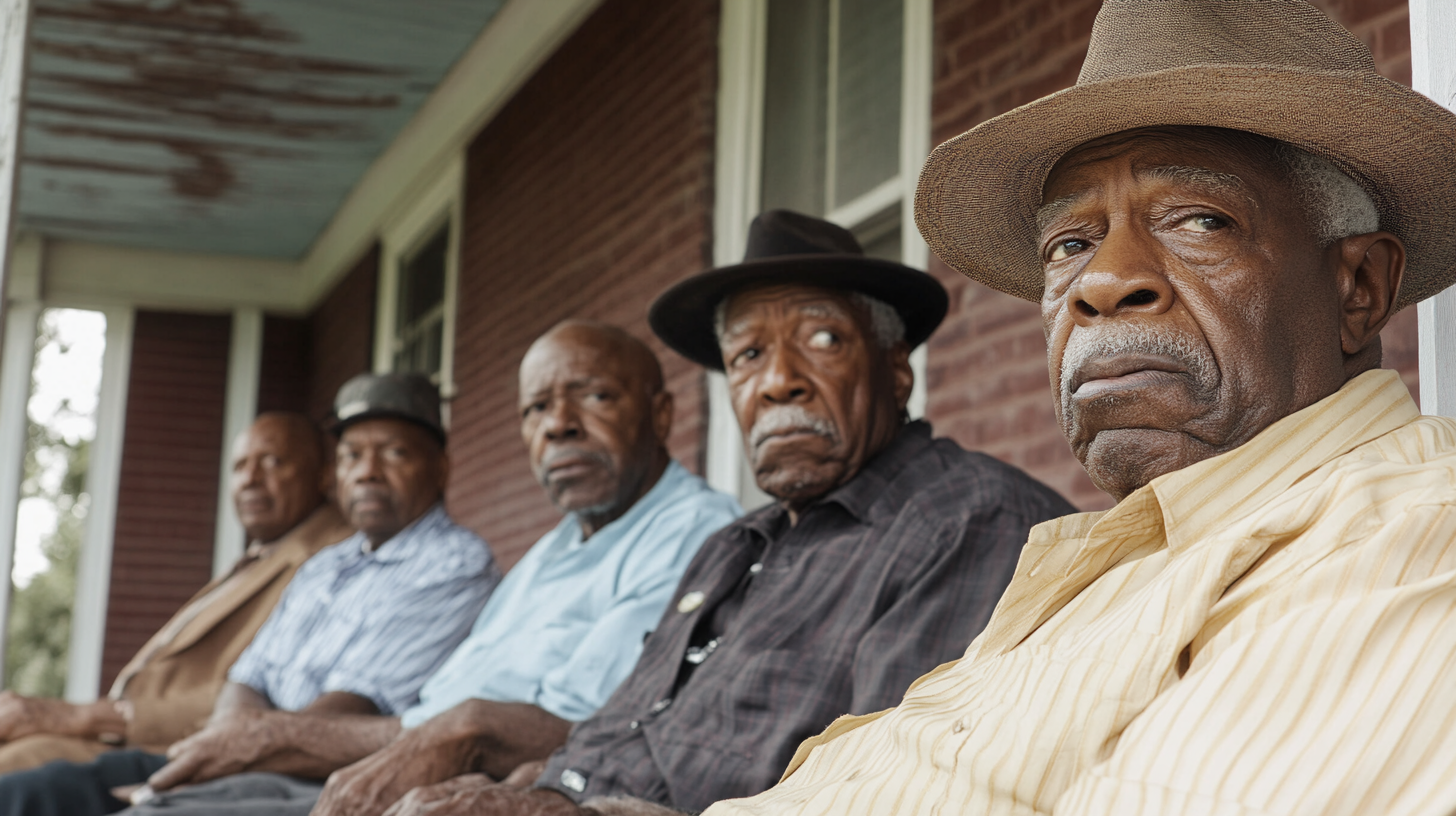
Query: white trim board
[103, 480]
[1433, 73]
[513, 45]
[17, 361]
[240, 405]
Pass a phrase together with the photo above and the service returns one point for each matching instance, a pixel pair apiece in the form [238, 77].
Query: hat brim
[979, 192]
[341, 425]
[683, 315]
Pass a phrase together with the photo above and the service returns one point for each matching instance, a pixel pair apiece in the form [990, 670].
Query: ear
[1371, 267]
[662, 410]
[901, 374]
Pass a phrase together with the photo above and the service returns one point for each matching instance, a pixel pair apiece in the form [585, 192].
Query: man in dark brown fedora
[882, 557]
[1217, 220]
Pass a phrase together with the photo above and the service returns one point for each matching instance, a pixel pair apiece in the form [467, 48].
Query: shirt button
[755, 569]
[661, 705]
[573, 780]
[634, 725]
[958, 727]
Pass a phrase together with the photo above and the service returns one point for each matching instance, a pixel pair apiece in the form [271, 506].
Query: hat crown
[1132, 37]
[776, 233]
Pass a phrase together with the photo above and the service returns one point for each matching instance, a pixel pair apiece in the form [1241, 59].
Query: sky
[67, 369]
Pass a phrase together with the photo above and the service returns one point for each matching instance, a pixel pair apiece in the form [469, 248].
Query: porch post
[1433, 71]
[14, 30]
[103, 477]
[240, 406]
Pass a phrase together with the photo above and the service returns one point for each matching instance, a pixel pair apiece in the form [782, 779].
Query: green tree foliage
[40, 612]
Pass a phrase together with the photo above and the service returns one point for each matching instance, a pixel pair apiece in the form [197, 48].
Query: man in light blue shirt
[565, 626]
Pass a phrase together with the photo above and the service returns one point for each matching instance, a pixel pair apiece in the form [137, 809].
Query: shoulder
[443, 550]
[948, 479]
[691, 497]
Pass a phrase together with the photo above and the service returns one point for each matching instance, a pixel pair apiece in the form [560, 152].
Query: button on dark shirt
[880, 581]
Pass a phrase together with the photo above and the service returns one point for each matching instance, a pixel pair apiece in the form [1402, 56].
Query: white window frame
[1433, 73]
[742, 49]
[440, 201]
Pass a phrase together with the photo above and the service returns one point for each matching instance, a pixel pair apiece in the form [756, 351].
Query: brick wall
[167, 499]
[341, 335]
[588, 194]
[283, 371]
[987, 376]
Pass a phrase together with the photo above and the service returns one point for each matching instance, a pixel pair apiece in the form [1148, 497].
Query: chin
[1121, 461]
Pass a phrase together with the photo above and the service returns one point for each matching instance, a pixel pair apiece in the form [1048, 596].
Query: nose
[562, 422]
[368, 467]
[1124, 277]
[782, 381]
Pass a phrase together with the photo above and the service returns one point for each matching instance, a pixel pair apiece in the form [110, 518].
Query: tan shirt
[1272, 631]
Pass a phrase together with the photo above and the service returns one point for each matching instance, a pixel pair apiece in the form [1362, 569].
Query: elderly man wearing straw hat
[1217, 220]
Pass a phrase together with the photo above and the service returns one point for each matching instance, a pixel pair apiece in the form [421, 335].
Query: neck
[591, 521]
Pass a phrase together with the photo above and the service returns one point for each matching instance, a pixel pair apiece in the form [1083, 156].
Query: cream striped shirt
[1271, 631]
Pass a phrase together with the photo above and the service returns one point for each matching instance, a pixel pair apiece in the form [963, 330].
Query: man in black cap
[883, 556]
[360, 628]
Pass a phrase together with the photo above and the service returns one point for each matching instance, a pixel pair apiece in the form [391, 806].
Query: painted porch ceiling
[227, 126]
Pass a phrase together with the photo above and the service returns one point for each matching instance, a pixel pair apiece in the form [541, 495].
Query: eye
[747, 355]
[533, 408]
[823, 339]
[1203, 222]
[1064, 249]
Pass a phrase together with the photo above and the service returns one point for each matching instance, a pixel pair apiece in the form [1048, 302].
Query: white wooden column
[103, 478]
[14, 30]
[742, 41]
[917, 83]
[1433, 73]
[240, 405]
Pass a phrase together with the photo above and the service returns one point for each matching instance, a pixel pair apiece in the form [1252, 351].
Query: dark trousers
[76, 789]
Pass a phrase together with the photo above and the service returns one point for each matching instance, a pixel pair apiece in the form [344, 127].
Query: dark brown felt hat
[790, 247]
[1278, 68]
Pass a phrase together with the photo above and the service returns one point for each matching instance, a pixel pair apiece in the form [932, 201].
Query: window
[824, 108]
[419, 251]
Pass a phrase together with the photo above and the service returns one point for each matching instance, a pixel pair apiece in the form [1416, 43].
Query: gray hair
[1337, 207]
[886, 323]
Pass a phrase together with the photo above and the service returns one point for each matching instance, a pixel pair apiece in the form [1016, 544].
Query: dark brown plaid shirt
[776, 630]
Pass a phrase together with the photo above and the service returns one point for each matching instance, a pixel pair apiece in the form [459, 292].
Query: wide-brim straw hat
[790, 247]
[1278, 68]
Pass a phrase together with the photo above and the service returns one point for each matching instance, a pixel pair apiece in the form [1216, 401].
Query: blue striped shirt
[375, 624]
[566, 625]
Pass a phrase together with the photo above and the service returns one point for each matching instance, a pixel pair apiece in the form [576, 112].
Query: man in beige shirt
[1266, 622]
[280, 478]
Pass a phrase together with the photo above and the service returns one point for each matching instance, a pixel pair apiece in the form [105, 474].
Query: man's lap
[76, 788]
[251, 794]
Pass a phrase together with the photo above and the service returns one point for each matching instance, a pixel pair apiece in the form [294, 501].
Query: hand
[525, 774]
[434, 752]
[476, 795]
[21, 716]
[225, 747]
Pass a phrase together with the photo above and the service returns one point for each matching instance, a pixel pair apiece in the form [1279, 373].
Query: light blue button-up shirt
[375, 624]
[566, 625]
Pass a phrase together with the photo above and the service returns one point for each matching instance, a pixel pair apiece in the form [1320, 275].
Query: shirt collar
[406, 542]
[1062, 556]
[859, 494]
[667, 484]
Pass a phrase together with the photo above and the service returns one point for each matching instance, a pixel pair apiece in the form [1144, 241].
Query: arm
[474, 736]
[478, 796]
[247, 734]
[22, 716]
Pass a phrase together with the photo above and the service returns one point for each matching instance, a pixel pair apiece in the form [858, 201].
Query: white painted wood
[1433, 73]
[240, 406]
[87, 275]
[743, 28]
[885, 195]
[93, 574]
[510, 49]
[16, 362]
[917, 85]
[14, 52]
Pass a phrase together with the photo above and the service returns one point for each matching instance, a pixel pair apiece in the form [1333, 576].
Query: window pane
[866, 127]
[795, 105]
[422, 278]
[885, 245]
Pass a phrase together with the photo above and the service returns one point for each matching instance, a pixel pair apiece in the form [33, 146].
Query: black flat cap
[410, 397]
[790, 247]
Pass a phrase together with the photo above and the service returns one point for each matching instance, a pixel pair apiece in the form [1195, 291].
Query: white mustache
[1132, 339]
[789, 419]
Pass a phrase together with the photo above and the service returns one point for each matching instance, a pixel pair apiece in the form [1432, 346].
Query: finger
[525, 774]
[174, 773]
